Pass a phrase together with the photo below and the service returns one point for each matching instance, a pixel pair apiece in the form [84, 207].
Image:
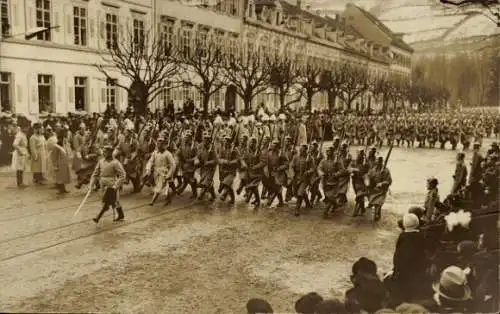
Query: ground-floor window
[5, 91]
[80, 93]
[45, 93]
[110, 93]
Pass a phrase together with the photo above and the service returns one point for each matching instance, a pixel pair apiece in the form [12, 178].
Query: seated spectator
[452, 293]
[410, 263]
[369, 293]
[259, 306]
[307, 303]
[330, 307]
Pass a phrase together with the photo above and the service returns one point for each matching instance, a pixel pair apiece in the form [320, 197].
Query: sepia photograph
[250, 156]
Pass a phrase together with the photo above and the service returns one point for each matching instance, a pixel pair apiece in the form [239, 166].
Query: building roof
[395, 40]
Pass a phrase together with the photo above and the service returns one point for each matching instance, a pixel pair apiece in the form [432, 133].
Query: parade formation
[267, 157]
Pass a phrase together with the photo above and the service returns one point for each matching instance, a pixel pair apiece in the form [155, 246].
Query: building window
[168, 33]
[80, 26]
[232, 7]
[45, 95]
[43, 18]
[139, 33]
[4, 14]
[80, 93]
[166, 96]
[5, 91]
[111, 30]
[186, 41]
[202, 42]
[186, 91]
[111, 93]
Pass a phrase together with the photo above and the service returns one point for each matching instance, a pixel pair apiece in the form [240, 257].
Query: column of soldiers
[265, 157]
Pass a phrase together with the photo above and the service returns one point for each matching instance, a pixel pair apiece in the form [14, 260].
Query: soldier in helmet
[111, 175]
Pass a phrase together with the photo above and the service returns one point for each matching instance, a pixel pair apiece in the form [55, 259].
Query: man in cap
[110, 173]
[38, 149]
[229, 161]
[162, 165]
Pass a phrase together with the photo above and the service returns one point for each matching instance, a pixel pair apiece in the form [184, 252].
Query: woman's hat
[410, 222]
[453, 285]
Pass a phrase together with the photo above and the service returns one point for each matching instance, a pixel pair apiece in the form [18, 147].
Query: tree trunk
[309, 96]
[331, 100]
[206, 101]
[247, 101]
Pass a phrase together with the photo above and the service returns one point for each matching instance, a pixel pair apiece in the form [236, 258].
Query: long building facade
[56, 71]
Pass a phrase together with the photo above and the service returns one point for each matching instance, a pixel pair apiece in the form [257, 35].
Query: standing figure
[61, 164]
[111, 175]
[380, 180]
[476, 173]
[51, 142]
[431, 200]
[254, 166]
[187, 155]
[277, 174]
[20, 155]
[326, 171]
[460, 176]
[78, 143]
[38, 148]
[162, 166]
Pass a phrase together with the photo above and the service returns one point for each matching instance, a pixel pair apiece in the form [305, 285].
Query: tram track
[87, 235]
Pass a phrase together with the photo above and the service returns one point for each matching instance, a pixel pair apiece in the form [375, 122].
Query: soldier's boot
[168, 199]
[104, 209]
[20, 179]
[327, 210]
[224, 193]
[357, 209]
[155, 197]
[221, 187]
[213, 196]
[248, 195]
[308, 203]
[271, 200]
[256, 202]
[264, 193]
[289, 194]
[377, 213]
[232, 196]
[172, 186]
[280, 199]
[297, 206]
[442, 145]
[121, 215]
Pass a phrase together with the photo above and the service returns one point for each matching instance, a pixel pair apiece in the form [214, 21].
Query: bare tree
[284, 76]
[354, 83]
[330, 81]
[379, 86]
[247, 71]
[309, 79]
[203, 68]
[146, 60]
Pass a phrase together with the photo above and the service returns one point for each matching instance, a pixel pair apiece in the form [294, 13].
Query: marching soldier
[111, 175]
[208, 163]
[187, 155]
[126, 152]
[162, 166]
[255, 165]
[302, 176]
[228, 163]
[277, 174]
[359, 172]
[380, 180]
[315, 158]
[327, 171]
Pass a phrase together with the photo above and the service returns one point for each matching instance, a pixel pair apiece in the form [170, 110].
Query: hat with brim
[453, 285]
